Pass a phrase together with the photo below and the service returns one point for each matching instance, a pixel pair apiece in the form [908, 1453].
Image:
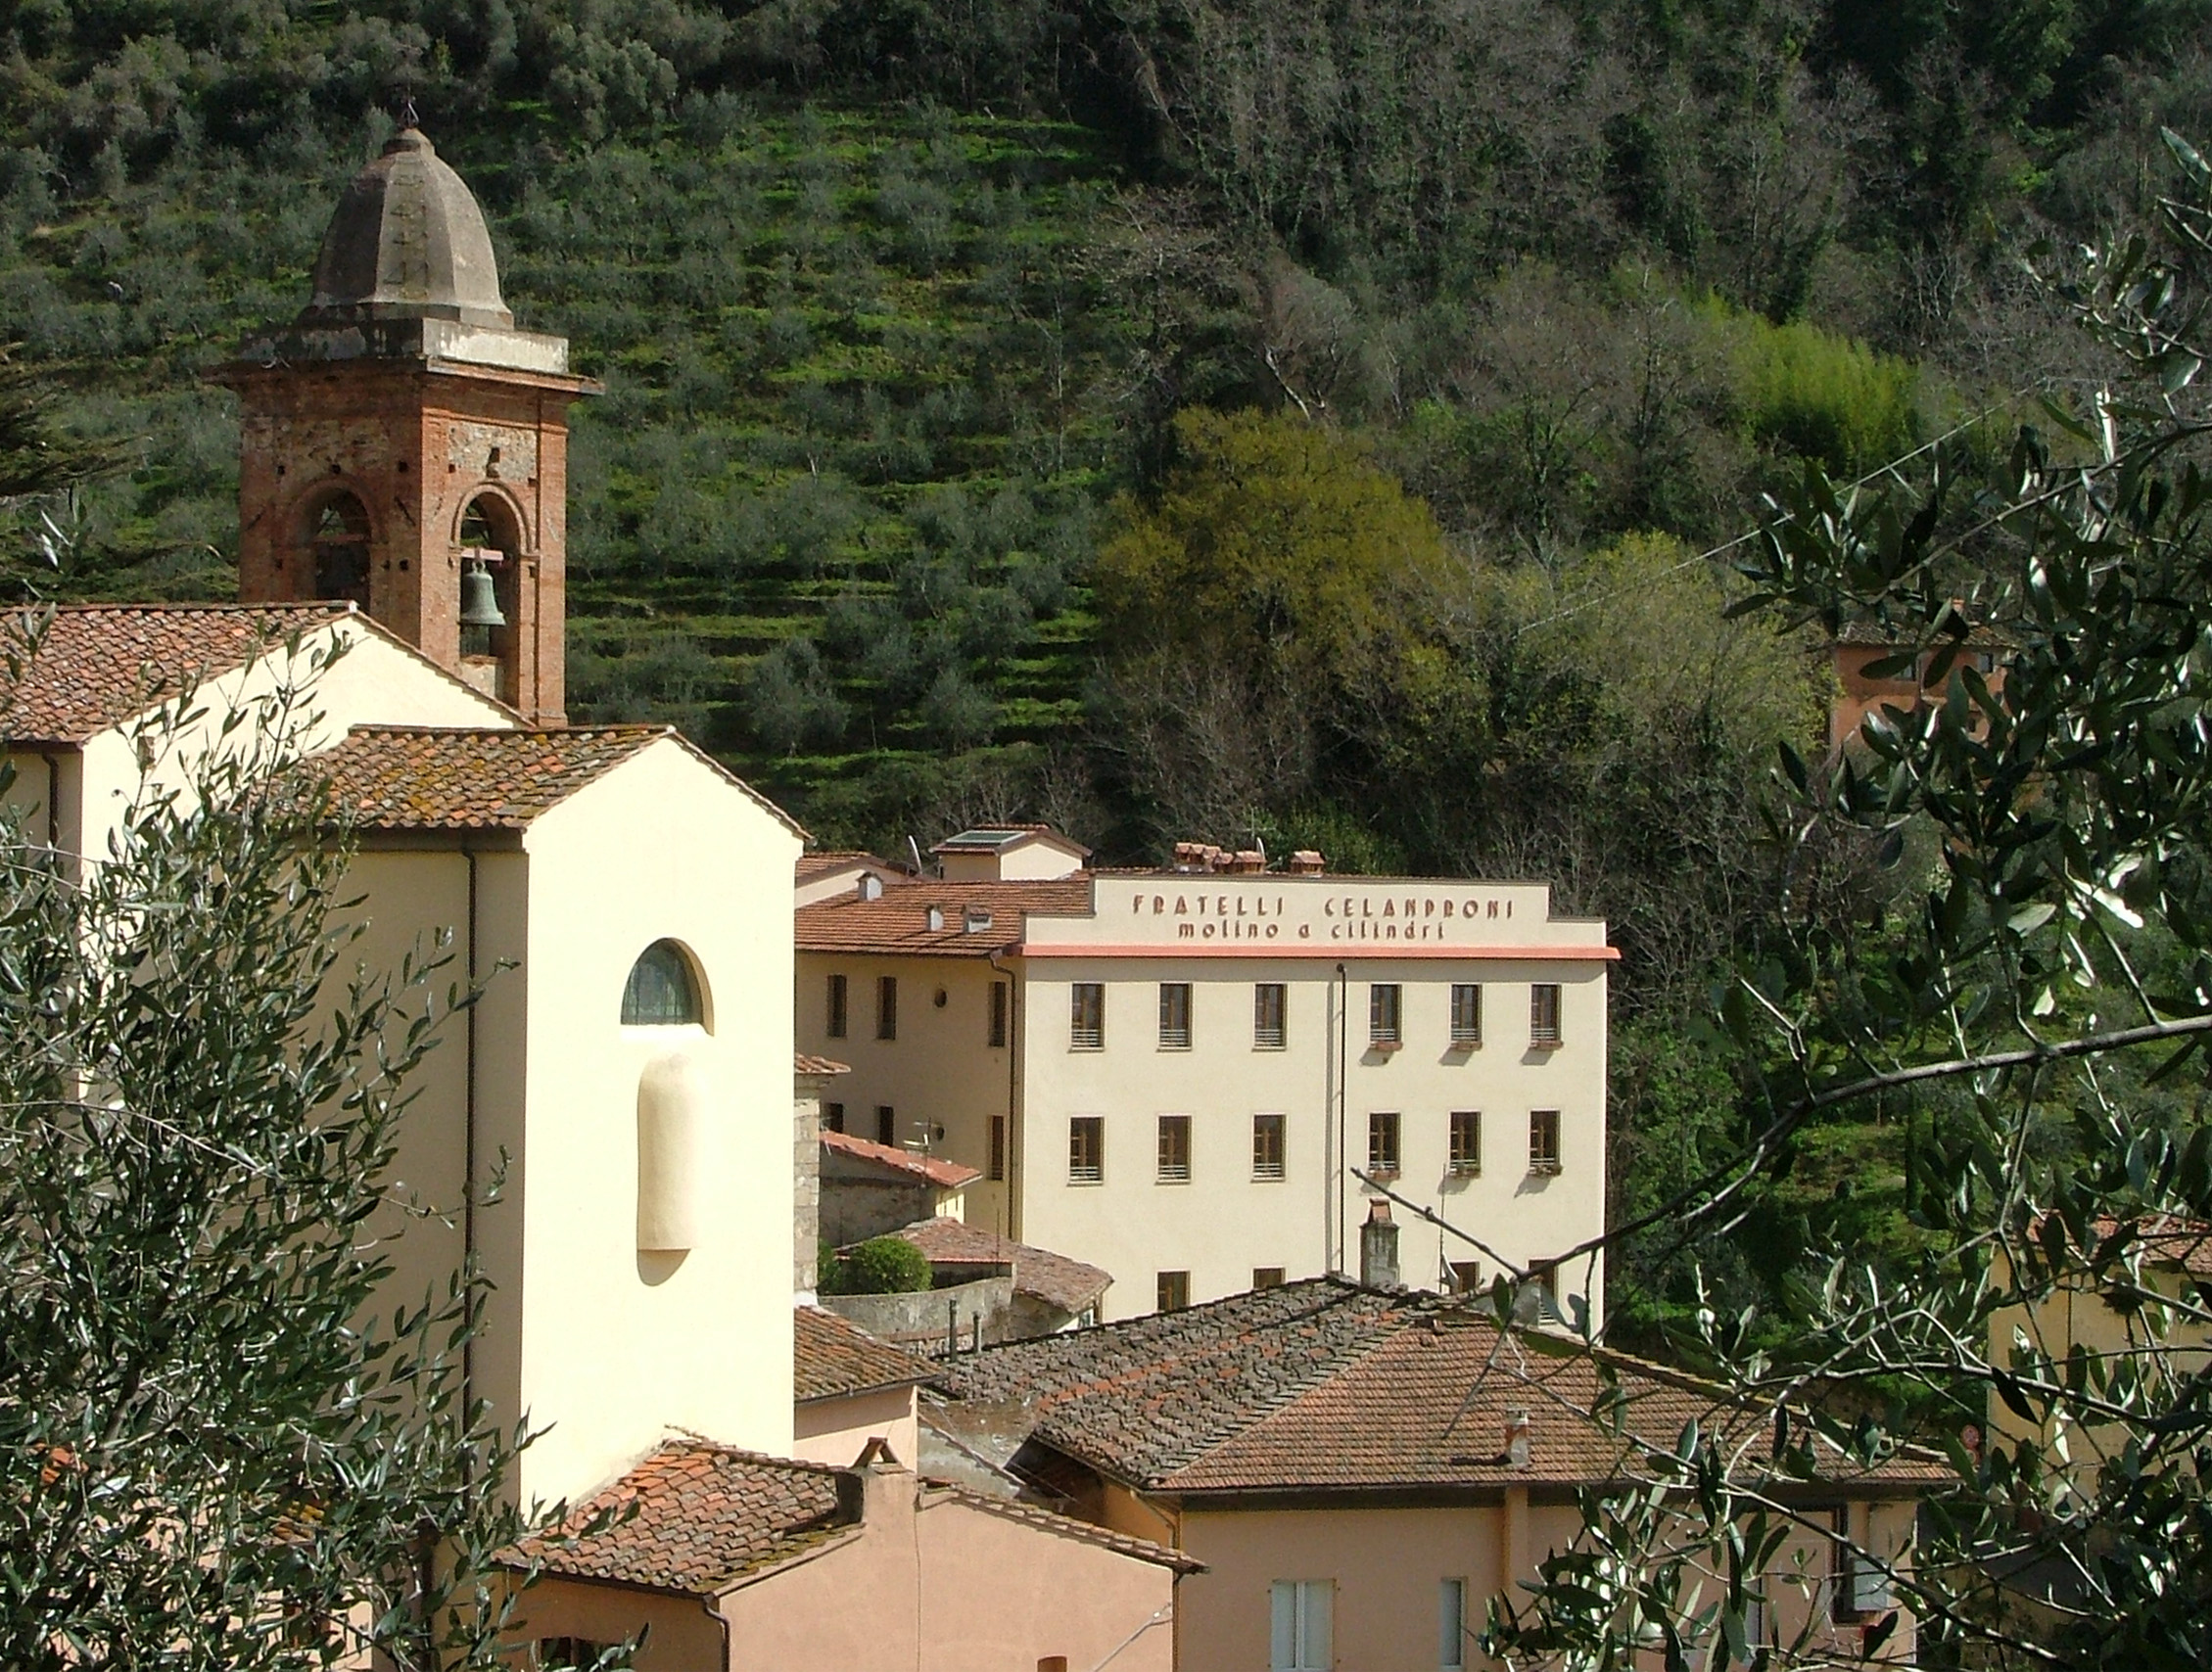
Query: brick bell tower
[403, 445]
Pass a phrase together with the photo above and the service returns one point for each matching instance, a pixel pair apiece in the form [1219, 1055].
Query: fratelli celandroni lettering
[1433, 917]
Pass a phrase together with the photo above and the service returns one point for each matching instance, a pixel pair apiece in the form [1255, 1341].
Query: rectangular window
[1466, 1142]
[1466, 1277]
[1451, 1624]
[1300, 1635]
[1267, 1277]
[1382, 1145]
[1543, 1141]
[1085, 1016]
[1267, 1146]
[1175, 1150]
[998, 1146]
[1466, 1014]
[1268, 1008]
[1174, 1015]
[837, 1008]
[1544, 1288]
[999, 993]
[1543, 1013]
[832, 1117]
[886, 1006]
[1382, 1010]
[1085, 1150]
[1172, 1290]
[886, 1125]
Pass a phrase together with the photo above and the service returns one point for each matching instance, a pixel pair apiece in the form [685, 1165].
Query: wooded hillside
[1166, 417]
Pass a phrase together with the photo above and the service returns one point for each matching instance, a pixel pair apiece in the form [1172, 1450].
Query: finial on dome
[408, 241]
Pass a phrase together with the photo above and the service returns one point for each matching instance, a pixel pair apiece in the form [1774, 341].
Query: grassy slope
[862, 376]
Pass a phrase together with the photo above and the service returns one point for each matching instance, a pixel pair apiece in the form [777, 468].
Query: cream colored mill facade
[1189, 1078]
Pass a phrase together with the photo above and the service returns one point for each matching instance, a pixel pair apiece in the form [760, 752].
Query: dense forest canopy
[983, 378]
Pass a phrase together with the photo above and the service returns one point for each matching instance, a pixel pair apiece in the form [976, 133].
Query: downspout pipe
[468, 1134]
[1011, 1228]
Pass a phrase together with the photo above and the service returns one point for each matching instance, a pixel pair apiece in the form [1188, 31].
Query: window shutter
[1283, 1652]
[1315, 1648]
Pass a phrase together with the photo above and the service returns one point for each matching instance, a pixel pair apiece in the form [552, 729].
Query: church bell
[480, 599]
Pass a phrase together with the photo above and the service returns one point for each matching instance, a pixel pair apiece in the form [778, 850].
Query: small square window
[1267, 1277]
[1543, 1141]
[886, 1125]
[1268, 1010]
[1466, 1277]
[1383, 1013]
[1173, 1291]
[832, 1117]
[1086, 1149]
[1174, 1015]
[1267, 1146]
[1466, 1142]
[1543, 1014]
[1085, 1016]
[1175, 1150]
[1466, 1014]
[1382, 1145]
[887, 1007]
[837, 1008]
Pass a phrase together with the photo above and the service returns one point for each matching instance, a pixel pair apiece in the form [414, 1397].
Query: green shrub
[880, 1265]
[1811, 393]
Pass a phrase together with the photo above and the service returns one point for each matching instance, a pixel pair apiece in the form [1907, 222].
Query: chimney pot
[1379, 1248]
[1517, 1439]
[1306, 862]
[936, 918]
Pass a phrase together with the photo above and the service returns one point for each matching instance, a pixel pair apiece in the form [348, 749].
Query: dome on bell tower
[408, 242]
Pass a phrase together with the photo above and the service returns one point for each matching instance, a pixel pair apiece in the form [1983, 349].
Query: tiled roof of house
[705, 1515]
[899, 921]
[931, 1169]
[812, 866]
[834, 1357]
[999, 838]
[100, 665]
[407, 777]
[1067, 1527]
[1054, 1278]
[1145, 1396]
[819, 1066]
[1320, 1386]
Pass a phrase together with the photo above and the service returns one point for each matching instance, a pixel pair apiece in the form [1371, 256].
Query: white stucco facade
[1206, 1206]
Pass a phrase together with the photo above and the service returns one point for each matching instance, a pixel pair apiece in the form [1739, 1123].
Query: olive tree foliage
[2054, 966]
[226, 1440]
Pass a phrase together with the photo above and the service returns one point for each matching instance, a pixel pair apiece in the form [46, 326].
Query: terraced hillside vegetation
[865, 379]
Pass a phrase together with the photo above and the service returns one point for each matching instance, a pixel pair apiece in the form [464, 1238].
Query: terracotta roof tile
[1145, 1396]
[812, 866]
[945, 1175]
[1069, 1284]
[451, 778]
[899, 921]
[705, 1515]
[802, 1064]
[1066, 1526]
[834, 1357]
[1321, 1385]
[98, 666]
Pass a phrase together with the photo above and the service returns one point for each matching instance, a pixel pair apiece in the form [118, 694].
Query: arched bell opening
[335, 533]
[488, 547]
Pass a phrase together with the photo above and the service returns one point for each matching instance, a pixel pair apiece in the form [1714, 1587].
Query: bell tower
[403, 445]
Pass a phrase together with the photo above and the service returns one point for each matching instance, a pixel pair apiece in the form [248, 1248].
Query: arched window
[337, 530]
[662, 992]
[488, 542]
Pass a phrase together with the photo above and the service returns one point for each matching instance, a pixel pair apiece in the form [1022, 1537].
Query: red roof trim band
[1340, 950]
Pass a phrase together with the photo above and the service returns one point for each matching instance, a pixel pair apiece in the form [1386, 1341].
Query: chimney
[1379, 1248]
[1516, 1439]
[975, 919]
[936, 918]
[1247, 860]
[871, 886]
[1306, 862]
